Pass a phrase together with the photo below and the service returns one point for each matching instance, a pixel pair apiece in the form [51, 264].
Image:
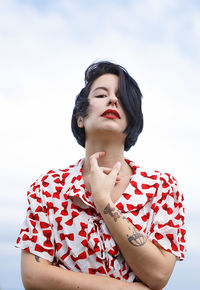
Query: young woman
[105, 222]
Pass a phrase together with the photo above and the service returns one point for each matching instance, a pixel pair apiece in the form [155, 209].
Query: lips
[111, 114]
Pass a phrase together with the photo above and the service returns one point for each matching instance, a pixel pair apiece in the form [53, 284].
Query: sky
[45, 47]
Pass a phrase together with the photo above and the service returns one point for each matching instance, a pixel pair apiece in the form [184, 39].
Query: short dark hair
[129, 94]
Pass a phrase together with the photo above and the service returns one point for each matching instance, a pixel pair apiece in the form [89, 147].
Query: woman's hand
[102, 180]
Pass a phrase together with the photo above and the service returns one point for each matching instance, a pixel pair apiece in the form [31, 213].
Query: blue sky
[45, 49]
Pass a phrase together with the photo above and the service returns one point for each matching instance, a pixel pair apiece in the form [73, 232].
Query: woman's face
[105, 113]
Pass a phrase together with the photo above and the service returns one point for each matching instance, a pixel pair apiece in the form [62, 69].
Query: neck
[114, 153]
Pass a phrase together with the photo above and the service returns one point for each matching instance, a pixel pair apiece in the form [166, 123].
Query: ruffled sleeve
[36, 234]
[168, 227]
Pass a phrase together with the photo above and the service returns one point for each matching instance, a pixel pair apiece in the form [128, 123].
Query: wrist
[101, 203]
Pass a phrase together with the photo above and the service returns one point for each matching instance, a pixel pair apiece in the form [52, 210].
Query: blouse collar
[143, 186]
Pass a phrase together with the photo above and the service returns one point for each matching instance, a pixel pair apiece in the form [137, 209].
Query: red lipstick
[111, 114]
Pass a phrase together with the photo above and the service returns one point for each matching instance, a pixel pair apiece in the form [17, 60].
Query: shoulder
[163, 182]
[152, 174]
[168, 188]
[54, 181]
[58, 175]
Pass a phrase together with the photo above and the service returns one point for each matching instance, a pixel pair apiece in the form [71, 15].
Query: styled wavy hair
[129, 95]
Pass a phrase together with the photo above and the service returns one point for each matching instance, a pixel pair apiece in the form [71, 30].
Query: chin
[109, 130]
[106, 129]
[113, 128]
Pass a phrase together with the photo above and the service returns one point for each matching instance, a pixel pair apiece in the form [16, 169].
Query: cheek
[126, 120]
[92, 110]
[89, 119]
[125, 117]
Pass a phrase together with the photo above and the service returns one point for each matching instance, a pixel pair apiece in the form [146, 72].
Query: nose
[113, 100]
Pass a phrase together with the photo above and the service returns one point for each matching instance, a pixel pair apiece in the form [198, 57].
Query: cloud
[45, 49]
[44, 52]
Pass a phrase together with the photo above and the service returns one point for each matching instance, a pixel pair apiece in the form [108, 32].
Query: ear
[80, 122]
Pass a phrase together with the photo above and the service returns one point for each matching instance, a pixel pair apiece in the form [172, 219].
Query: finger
[106, 168]
[93, 159]
[116, 169]
[117, 180]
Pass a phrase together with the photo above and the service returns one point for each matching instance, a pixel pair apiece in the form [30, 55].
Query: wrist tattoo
[37, 259]
[112, 211]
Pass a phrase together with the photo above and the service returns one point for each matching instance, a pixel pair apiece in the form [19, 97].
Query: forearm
[54, 278]
[144, 258]
[152, 265]
[59, 279]
[41, 275]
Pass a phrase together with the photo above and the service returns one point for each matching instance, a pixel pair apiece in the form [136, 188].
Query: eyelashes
[100, 96]
[103, 96]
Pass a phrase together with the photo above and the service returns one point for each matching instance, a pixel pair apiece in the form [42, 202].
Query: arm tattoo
[112, 212]
[37, 259]
[135, 238]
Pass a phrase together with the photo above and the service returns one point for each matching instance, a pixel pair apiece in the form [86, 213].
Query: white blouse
[63, 226]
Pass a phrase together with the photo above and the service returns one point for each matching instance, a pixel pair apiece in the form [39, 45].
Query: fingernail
[119, 164]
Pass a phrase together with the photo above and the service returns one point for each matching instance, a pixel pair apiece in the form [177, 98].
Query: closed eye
[100, 96]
